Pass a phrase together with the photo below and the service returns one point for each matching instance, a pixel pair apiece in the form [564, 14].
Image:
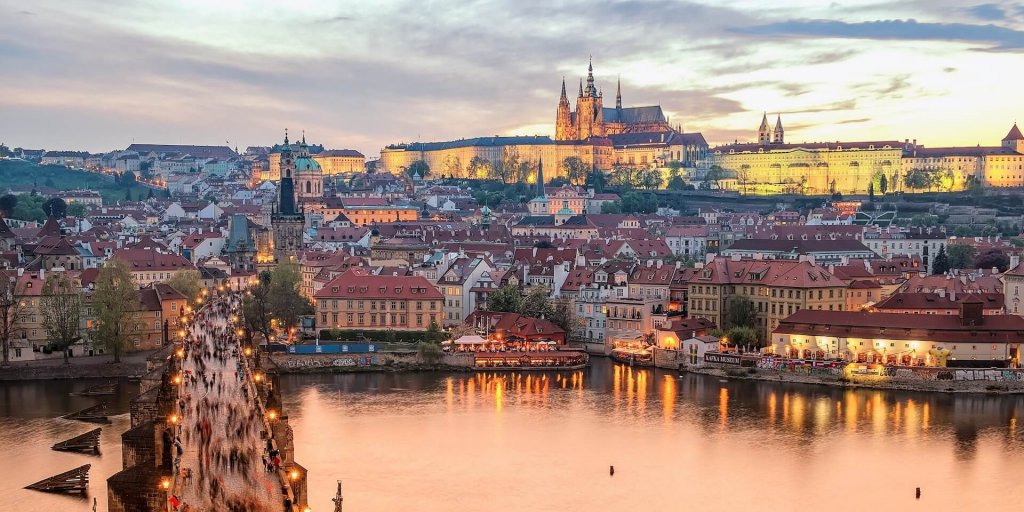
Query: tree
[7, 204]
[116, 303]
[650, 179]
[883, 184]
[871, 192]
[434, 333]
[55, 207]
[992, 258]
[960, 255]
[479, 167]
[61, 305]
[506, 299]
[10, 310]
[742, 337]
[563, 315]
[940, 265]
[536, 303]
[712, 177]
[611, 207]
[453, 166]
[507, 167]
[917, 179]
[286, 300]
[256, 307]
[575, 170]
[76, 210]
[150, 194]
[189, 282]
[741, 313]
[128, 195]
[419, 167]
[676, 183]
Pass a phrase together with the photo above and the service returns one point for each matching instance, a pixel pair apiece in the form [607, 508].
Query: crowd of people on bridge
[220, 435]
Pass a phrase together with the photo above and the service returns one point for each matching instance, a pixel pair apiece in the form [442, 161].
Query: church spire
[591, 90]
[540, 177]
[303, 137]
[764, 133]
[618, 94]
[286, 136]
[779, 135]
[564, 97]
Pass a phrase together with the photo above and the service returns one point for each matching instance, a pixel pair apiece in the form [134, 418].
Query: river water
[545, 441]
[493, 441]
[30, 424]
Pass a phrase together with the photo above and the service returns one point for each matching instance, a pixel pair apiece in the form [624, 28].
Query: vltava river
[528, 442]
[30, 424]
[535, 442]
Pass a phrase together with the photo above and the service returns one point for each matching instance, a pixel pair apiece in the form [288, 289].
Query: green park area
[22, 177]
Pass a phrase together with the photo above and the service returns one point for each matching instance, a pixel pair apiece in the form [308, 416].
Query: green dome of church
[307, 164]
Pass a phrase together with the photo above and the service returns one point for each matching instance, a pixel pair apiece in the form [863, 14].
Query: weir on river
[207, 430]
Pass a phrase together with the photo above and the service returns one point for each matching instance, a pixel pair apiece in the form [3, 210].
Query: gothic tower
[590, 109]
[287, 223]
[563, 119]
[779, 135]
[764, 134]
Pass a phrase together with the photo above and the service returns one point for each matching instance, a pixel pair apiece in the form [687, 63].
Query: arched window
[308, 187]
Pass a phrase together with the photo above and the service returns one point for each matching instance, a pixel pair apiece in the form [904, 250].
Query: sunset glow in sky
[101, 74]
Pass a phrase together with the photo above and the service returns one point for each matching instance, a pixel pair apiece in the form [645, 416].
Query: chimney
[1014, 261]
[659, 263]
[21, 271]
[941, 292]
[42, 275]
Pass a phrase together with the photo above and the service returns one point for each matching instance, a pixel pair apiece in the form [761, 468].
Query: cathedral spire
[618, 94]
[564, 97]
[590, 90]
[303, 137]
[764, 133]
[779, 135]
[581, 87]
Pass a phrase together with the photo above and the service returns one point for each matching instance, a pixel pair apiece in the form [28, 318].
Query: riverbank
[881, 383]
[131, 366]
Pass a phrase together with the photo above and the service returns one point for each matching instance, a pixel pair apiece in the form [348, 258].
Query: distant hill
[22, 176]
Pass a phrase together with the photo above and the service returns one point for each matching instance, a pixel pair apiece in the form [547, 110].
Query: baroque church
[592, 119]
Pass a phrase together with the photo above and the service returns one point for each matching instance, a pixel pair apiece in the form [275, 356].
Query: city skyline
[364, 76]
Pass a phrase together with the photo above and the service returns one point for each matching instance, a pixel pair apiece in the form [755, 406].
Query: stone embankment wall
[378, 361]
[853, 375]
[72, 371]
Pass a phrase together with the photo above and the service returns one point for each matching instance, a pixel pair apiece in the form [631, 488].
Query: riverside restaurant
[518, 353]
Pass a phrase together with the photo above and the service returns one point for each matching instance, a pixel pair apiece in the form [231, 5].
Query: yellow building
[453, 158]
[955, 168]
[776, 288]
[338, 161]
[771, 166]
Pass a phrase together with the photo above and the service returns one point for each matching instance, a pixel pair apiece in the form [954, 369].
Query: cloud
[855, 121]
[998, 38]
[831, 107]
[987, 12]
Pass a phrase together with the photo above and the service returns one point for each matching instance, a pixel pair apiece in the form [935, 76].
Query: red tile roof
[356, 286]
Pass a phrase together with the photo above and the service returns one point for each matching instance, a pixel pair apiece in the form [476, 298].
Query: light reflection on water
[544, 441]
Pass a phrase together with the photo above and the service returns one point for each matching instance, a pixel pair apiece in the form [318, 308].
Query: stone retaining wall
[312, 363]
[72, 371]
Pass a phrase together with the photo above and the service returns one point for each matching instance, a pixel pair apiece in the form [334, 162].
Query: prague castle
[599, 137]
[592, 119]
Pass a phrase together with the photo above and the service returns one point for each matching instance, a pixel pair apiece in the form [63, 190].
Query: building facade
[355, 300]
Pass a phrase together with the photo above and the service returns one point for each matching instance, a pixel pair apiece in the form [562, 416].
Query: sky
[98, 75]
